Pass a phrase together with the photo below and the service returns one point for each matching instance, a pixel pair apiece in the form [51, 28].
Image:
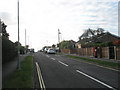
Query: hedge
[9, 51]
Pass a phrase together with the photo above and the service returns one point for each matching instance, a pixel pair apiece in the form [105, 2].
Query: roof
[100, 38]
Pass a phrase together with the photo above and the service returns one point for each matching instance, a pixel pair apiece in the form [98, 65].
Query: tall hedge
[9, 51]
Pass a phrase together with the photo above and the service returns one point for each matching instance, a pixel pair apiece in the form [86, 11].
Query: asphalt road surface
[59, 71]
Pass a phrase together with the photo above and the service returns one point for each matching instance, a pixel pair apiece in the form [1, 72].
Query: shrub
[9, 51]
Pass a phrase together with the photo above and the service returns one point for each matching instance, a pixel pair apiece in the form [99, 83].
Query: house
[78, 45]
[89, 38]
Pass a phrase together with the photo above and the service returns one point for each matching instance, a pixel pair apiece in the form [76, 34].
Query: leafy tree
[67, 44]
[22, 50]
[53, 45]
[4, 32]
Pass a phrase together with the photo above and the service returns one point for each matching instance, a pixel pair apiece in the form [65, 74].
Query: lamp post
[18, 62]
[59, 36]
[25, 43]
[59, 39]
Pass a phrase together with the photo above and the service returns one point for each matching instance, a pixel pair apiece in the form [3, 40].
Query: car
[45, 50]
[51, 51]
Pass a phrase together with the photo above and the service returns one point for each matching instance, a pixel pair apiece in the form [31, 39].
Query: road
[59, 71]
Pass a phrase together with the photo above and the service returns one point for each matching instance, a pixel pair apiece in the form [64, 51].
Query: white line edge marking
[100, 66]
[95, 79]
[108, 68]
[53, 58]
[63, 63]
[41, 82]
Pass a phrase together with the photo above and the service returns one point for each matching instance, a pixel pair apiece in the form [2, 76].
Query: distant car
[51, 51]
[45, 50]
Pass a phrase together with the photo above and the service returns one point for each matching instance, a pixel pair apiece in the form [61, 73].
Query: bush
[9, 51]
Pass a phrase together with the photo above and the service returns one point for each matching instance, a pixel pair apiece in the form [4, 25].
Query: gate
[111, 53]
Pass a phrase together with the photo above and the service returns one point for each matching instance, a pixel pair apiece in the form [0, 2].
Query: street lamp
[59, 39]
[18, 62]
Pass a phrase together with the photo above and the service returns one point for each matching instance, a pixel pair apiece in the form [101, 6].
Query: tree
[4, 32]
[16, 44]
[53, 46]
[67, 44]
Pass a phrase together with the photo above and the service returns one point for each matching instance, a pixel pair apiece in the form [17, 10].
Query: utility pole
[18, 63]
[59, 36]
[25, 37]
[119, 18]
[25, 42]
[0, 55]
[0, 26]
[59, 39]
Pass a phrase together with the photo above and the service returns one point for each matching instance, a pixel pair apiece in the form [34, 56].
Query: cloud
[7, 18]
[42, 18]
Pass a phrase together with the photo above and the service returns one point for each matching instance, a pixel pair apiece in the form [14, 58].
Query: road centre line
[47, 56]
[96, 80]
[41, 82]
[62, 63]
[53, 58]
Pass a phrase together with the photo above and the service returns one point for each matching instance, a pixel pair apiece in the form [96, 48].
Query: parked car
[51, 51]
[45, 50]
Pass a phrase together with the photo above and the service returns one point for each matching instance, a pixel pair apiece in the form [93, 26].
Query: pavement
[10, 67]
[102, 59]
[59, 71]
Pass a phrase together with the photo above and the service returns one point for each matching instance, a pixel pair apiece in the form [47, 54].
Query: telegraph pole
[59, 36]
[59, 39]
[25, 42]
[18, 63]
[25, 37]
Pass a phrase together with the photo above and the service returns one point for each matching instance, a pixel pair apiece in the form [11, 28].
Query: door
[111, 53]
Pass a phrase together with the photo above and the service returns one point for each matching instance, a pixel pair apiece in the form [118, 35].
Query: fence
[99, 52]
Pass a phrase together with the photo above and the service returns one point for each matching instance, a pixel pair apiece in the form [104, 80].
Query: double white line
[41, 82]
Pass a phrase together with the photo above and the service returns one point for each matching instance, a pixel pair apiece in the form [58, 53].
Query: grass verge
[22, 78]
[102, 63]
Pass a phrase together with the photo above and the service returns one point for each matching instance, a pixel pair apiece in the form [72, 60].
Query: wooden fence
[100, 52]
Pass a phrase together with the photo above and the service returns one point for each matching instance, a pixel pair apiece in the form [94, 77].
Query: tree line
[9, 48]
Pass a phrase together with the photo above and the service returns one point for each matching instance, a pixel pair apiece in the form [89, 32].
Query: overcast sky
[43, 18]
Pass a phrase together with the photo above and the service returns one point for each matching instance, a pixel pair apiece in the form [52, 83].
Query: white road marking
[53, 58]
[95, 80]
[101, 66]
[47, 56]
[108, 68]
[41, 82]
[63, 63]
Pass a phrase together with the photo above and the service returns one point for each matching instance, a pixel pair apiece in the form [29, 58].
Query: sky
[43, 18]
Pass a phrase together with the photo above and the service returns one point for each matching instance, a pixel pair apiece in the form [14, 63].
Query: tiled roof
[100, 38]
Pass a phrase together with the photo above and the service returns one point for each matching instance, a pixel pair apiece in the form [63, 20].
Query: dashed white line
[62, 63]
[47, 56]
[95, 80]
[53, 58]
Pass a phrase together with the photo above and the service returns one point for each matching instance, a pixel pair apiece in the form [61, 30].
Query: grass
[102, 63]
[22, 78]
